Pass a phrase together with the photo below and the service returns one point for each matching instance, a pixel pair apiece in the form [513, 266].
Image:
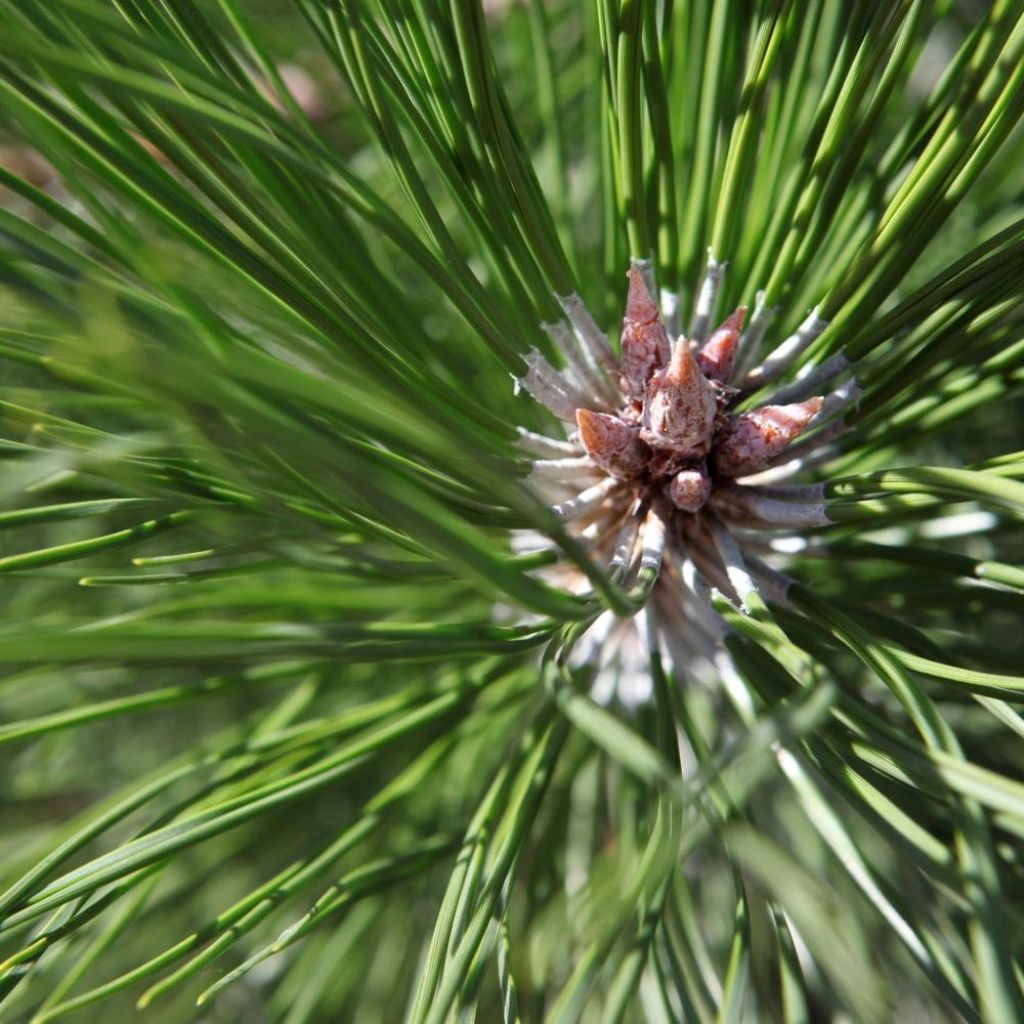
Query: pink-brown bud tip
[613, 444]
[753, 439]
[690, 489]
[718, 355]
[645, 345]
[681, 406]
[683, 368]
[735, 320]
[640, 305]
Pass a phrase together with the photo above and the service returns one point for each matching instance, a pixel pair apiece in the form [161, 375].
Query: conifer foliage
[511, 511]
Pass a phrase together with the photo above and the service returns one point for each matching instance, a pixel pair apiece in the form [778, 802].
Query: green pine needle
[313, 707]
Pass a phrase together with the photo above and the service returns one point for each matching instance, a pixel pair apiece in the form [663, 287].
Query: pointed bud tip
[754, 438]
[683, 366]
[735, 320]
[611, 442]
[681, 405]
[789, 419]
[640, 304]
[645, 344]
[717, 356]
[590, 425]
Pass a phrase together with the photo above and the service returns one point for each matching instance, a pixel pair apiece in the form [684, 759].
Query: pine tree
[510, 511]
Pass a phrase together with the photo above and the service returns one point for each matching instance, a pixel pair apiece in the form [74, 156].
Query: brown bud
[690, 489]
[717, 357]
[613, 444]
[681, 405]
[754, 438]
[645, 344]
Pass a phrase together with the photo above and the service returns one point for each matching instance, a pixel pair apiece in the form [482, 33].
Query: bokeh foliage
[288, 723]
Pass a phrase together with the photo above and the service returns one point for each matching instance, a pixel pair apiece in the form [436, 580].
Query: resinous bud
[717, 356]
[645, 344]
[613, 444]
[690, 489]
[681, 406]
[752, 440]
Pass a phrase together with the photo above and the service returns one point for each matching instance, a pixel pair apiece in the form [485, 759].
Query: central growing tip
[674, 436]
[661, 477]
